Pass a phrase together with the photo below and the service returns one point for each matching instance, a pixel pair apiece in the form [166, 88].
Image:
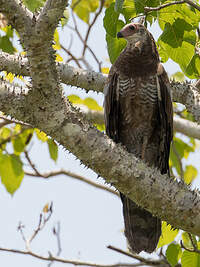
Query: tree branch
[186, 127]
[150, 262]
[57, 259]
[189, 128]
[17, 14]
[184, 93]
[189, 2]
[148, 9]
[74, 176]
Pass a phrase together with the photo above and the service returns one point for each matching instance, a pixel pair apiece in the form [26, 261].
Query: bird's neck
[138, 59]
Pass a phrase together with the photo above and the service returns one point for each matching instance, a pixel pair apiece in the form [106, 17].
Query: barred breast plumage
[138, 114]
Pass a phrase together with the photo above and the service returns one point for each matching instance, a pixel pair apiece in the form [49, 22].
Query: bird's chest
[138, 101]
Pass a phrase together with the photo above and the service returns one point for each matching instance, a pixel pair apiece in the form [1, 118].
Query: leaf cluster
[178, 23]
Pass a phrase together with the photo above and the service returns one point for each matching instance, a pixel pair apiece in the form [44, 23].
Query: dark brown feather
[138, 114]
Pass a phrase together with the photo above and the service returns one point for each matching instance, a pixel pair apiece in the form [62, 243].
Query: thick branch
[95, 81]
[184, 93]
[19, 17]
[14, 63]
[13, 100]
[129, 175]
[188, 95]
[189, 128]
[49, 17]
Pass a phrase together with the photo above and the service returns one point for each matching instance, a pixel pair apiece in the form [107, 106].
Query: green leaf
[5, 133]
[110, 20]
[65, 17]
[178, 77]
[8, 30]
[115, 46]
[190, 259]
[88, 101]
[176, 54]
[173, 254]
[140, 4]
[162, 53]
[33, 5]
[92, 104]
[173, 33]
[18, 145]
[128, 10]
[100, 127]
[11, 172]
[6, 45]
[187, 241]
[182, 148]
[84, 7]
[171, 13]
[168, 235]
[53, 149]
[41, 135]
[21, 141]
[178, 39]
[193, 68]
[75, 99]
[118, 5]
[190, 174]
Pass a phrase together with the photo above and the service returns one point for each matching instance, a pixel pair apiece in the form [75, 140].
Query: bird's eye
[131, 27]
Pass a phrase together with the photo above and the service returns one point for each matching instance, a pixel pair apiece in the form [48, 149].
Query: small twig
[83, 41]
[139, 258]
[71, 55]
[10, 121]
[4, 123]
[56, 232]
[148, 9]
[188, 249]
[20, 229]
[192, 241]
[12, 136]
[31, 163]
[73, 175]
[91, 25]
[189, 2]
[73, 262]
[42, 222]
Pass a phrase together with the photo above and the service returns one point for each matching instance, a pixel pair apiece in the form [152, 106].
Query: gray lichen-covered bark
[44, 106]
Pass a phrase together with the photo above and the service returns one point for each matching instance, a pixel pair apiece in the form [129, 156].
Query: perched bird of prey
[138, 114]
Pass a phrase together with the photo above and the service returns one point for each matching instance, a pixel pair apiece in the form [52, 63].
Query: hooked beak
[119, 35]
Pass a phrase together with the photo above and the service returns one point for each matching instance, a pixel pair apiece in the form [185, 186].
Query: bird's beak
[119, 35]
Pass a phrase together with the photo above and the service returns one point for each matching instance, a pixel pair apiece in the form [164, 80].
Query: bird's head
[133, 32]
